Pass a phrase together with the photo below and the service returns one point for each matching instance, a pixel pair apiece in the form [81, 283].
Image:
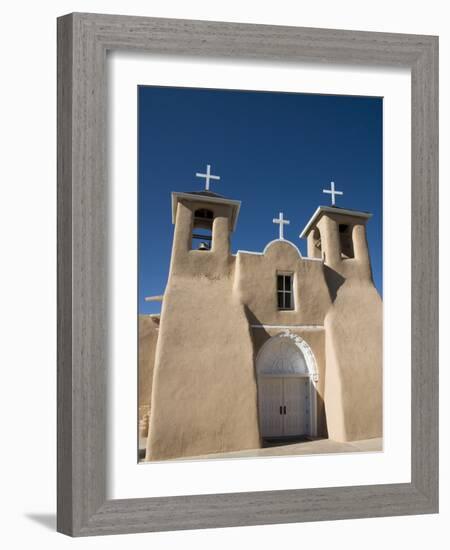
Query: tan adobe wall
[148, 336]
[354, 337]
[354, 355]
[256, 284]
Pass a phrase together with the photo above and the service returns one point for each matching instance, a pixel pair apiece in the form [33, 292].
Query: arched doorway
[287, 376]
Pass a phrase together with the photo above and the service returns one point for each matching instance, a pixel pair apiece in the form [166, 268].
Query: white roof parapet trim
[152, 315]
[269, 244]
[204, 198]
[334, 210]
[282, 241]
[154, 298]
[249, 252]
[313, 259]
[305, 258]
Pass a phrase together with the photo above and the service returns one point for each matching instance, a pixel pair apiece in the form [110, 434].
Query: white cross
[332, 192]
[282, 222]
[208, 176]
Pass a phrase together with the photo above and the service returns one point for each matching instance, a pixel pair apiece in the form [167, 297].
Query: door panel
[270, 401]
[284, 406]
[295, 393]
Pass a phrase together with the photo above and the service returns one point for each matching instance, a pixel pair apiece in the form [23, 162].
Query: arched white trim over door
[283, 357]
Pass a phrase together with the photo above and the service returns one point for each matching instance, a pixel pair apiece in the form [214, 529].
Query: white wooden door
[284, 406]
[295, 406]
[270, 406]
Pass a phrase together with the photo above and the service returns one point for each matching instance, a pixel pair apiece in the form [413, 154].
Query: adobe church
[259, 346]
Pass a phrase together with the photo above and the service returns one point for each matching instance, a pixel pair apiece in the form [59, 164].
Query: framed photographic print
[247, 274]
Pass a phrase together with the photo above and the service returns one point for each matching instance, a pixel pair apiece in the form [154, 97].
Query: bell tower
[338, 236]
[353, 324]
[204, 350]
[203, 223]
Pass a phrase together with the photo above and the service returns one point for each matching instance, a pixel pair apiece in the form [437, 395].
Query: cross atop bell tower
[208, 176]
[333, 193]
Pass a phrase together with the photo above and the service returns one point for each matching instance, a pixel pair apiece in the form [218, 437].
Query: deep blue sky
[273, 151]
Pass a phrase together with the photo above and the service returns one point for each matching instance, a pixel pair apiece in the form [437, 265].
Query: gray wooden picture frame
[83, 41]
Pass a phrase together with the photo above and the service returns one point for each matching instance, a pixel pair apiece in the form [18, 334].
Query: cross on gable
[282, 222]
[333, 193]
[208, 176]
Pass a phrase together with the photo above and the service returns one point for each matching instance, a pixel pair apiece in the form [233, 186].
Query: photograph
[260, 267]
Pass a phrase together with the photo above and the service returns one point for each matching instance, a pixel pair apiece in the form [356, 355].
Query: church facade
[256, 346]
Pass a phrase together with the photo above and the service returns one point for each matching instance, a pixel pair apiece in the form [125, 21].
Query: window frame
[283, 292]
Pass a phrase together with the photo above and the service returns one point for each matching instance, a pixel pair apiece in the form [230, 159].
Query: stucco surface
[354, 358]
[256, 285]
[204, 390]
[354, 341]
[148, 336]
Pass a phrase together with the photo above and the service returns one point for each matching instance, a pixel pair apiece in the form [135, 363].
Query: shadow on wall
[322, 425]
[334, 281]
[253, 320]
